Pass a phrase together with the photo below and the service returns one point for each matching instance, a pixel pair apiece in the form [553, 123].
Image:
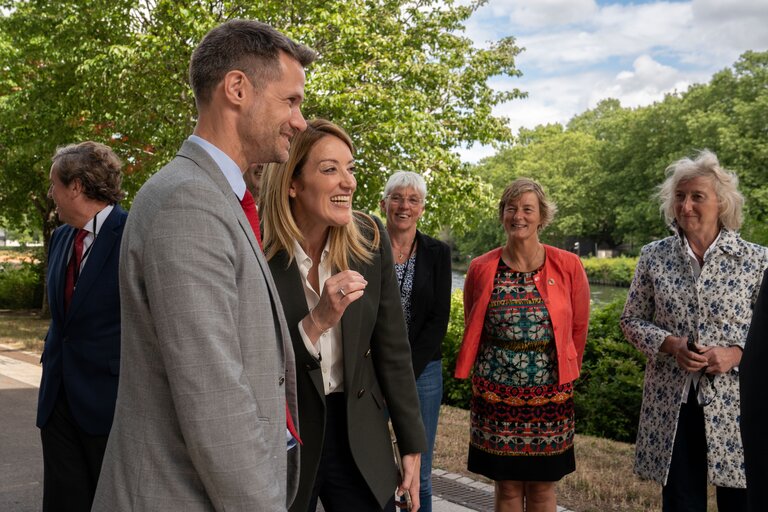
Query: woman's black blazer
[377, 369]
[430, 301]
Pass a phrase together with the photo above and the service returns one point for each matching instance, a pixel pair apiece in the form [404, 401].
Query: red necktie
[249, 207]
[252, 213]
[73, 268]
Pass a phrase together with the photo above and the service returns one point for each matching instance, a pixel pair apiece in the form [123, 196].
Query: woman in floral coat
[689, 310]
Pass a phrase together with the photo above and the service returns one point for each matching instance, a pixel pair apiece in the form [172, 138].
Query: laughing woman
[334, 272]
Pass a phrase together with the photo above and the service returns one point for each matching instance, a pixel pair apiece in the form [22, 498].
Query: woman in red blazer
[526, 312]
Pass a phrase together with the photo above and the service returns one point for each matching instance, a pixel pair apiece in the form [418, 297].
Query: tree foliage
[604, 167]
[398, 75]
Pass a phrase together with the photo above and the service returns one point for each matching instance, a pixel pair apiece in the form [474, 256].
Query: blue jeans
[430, 388]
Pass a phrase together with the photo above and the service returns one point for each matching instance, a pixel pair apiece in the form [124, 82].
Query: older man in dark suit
[82, 348]
[207, 368]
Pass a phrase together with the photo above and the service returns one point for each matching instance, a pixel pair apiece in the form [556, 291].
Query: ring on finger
[341, 291]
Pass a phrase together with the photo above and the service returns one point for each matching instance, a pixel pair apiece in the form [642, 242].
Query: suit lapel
[421, 279]
[423, 259]
[103, 245]
[203, 160]
[351, 329]
[58, 268]
[291, 290]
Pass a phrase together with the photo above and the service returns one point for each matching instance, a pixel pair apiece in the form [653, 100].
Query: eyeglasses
[705, 388]
[411, 200]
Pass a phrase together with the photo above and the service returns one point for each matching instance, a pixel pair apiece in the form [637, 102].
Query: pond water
[600, 294]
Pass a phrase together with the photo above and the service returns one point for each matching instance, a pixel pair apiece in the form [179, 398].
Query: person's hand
[687, 360]
[339, 291]
[410, 482]
[721, 359]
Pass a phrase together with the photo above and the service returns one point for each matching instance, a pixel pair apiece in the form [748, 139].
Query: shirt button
[361, 393]
[281, 380]
[325, 370]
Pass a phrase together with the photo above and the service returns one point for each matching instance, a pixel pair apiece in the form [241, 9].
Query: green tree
[398, 75]
[44, 50]
[728, 116]
[566, 163]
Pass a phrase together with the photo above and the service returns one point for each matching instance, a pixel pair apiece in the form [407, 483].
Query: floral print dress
[522, 421]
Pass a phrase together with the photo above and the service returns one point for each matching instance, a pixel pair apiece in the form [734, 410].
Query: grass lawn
[22, 329]
[603, 481]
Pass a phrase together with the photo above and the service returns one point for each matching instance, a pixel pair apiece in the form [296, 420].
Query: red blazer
[562, 284]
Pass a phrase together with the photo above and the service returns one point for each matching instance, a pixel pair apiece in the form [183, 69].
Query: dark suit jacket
[754, 407]
[430, 301]
[82, 347]
[377, 368]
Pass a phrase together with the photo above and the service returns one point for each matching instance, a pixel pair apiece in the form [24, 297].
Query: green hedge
[456, 392]
[607, 395]
[21, 286]
[614, 271]
[610, 389]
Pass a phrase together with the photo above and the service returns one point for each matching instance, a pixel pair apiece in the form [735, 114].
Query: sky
[578, 52]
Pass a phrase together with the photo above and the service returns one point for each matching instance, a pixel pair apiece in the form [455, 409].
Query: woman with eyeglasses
[689, 309]
[423, 268]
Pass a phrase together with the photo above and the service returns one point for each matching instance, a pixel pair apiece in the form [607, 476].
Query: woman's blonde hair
[280, 229]
[726, 184]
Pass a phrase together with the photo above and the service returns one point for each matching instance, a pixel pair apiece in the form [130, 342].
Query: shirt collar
[303, 260]
[93, 226]
[228, 167]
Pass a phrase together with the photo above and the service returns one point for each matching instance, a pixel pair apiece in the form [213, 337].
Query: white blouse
[328, 349]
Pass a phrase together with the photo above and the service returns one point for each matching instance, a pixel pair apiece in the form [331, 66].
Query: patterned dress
[522, 421]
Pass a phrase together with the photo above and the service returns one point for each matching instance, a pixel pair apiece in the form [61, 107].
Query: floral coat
[665, 299]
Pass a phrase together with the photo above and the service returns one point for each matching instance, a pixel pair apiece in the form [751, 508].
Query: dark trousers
[686, 489]
[339, 484]
[71, 461]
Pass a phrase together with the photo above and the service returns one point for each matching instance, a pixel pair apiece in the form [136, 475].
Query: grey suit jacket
[206, 362]
[377, 369]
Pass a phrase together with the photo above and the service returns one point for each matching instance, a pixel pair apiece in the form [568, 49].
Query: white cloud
[543, 13]
[579, 52]
[615, 32]
[647, 82]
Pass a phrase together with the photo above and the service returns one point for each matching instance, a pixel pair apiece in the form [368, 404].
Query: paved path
[21, 466]
[21, 459]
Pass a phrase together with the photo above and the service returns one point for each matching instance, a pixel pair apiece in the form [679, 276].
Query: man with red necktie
[208, 382]
[81, 358]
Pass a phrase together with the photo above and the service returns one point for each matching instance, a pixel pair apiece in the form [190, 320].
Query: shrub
[456, 392]
[609, 392]
[21, 286]
[614, 271]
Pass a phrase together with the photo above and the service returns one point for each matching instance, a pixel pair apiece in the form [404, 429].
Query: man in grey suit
[207, 370]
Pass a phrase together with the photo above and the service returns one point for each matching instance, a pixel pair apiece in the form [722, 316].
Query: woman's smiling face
[321, 196]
